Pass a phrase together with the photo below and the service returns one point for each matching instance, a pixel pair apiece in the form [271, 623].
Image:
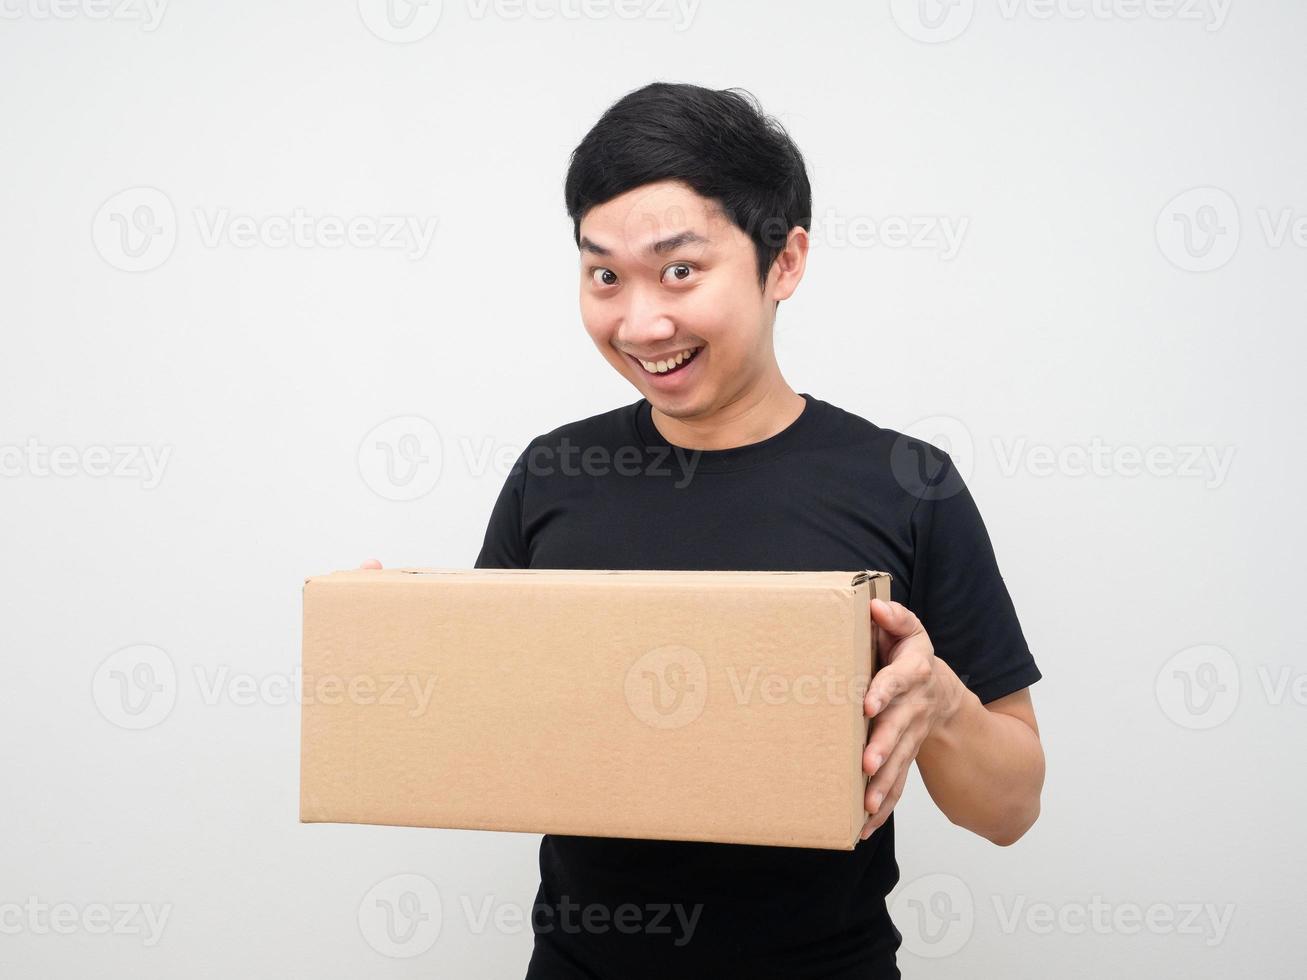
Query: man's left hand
[909, 695]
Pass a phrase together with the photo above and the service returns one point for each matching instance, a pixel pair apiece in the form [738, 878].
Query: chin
[684, 407]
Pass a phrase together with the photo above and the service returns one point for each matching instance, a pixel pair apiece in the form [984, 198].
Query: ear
[787, 269]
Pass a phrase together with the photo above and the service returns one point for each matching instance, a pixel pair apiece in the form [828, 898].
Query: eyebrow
[657, 248]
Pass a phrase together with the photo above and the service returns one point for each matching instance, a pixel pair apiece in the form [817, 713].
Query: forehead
[633, 223]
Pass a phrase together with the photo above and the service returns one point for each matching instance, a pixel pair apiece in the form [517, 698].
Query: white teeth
[662, 367]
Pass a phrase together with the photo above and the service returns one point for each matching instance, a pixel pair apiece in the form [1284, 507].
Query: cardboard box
[708, 706]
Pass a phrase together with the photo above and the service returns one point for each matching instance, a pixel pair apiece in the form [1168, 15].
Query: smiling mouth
[669, 365]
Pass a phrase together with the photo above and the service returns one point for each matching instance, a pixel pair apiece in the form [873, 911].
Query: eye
[603, 277]
[677, 268]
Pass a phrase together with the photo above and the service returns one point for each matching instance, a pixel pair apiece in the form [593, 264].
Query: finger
[895, 762]
[891, 800]
[894, 618]
[371, 563]
[878, 790]
[884, 798]
[886, 735]
[887, 684]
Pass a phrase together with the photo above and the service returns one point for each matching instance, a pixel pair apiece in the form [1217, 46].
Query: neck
[750, 417]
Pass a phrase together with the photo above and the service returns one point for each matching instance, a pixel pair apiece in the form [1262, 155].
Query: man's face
[663, 273]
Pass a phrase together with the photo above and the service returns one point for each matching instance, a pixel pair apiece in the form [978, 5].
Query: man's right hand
[371, 563]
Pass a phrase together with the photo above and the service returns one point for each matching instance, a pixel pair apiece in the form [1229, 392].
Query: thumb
[894, 618]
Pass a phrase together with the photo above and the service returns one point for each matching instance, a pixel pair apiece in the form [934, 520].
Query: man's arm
[965, 715]
[983, 764]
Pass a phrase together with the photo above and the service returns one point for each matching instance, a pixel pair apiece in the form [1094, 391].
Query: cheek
[710, 318]
[597, 324]
[602, 330]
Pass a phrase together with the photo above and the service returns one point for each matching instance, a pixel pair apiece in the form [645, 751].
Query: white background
[1161, 597]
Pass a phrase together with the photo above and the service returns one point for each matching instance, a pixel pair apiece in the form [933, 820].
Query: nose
[645, 322]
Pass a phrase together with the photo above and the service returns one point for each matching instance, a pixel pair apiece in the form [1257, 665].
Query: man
[691, 212]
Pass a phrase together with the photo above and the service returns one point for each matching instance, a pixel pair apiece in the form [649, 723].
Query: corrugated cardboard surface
[711, 706]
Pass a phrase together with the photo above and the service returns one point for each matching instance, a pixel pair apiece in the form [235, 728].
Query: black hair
[719, 142]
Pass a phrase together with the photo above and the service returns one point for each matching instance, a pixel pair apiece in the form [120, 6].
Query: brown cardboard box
[710, 706]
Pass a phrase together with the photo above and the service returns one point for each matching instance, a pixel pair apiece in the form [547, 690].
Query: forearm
[983, 769]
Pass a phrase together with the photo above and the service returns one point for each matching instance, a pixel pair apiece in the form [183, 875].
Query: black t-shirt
[830, 492]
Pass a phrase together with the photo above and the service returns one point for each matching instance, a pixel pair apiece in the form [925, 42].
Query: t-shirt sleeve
[958, 593]
[503, 546]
